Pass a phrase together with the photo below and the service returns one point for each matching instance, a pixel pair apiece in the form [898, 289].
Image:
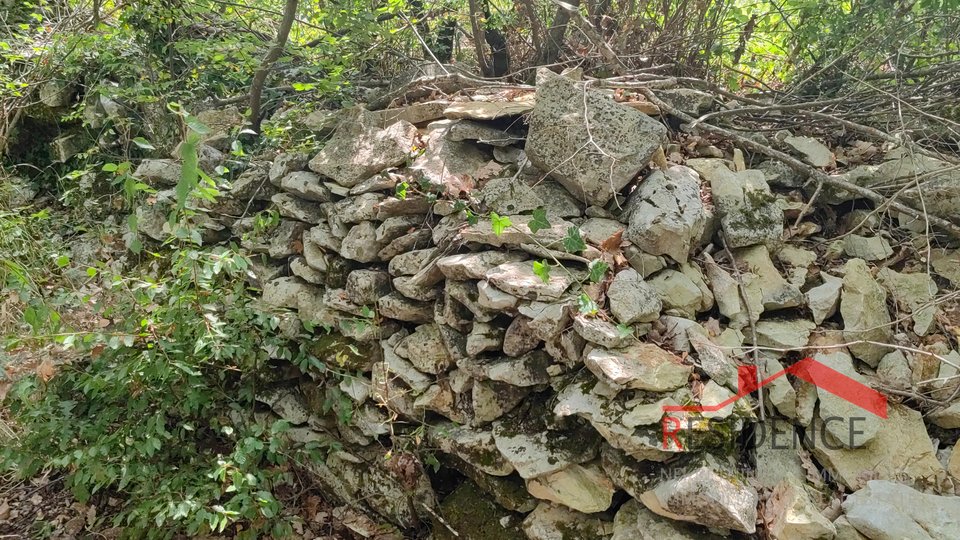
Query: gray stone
[632, 300]
[359, 149]
[557, 201]
[305, 185]
[408, 264]
[793, 516]
[635, 522]
[425, 349]
[678, 293]
[487, 110]
[823, 300]
[914, 294]
[401, 367]
[776, 292]
[396, 306]
[365, 287]
[592, 164]
[484, 337]
[361, 244]
[300, 268]
[536, 452]
[641, 366]
[493, 298]
[886, 510]
[357, 209]
[449, 166]
[872, 248]
[294, 208]
[784, 333]
[492, 399]
[518, 234]
[863, 306]
[465, 266]
[901, 450]
[812, 150]
[285, 164]
[518, 279]
[159, 172]
[748, 210]
[466, 130]
[666, 214]
[603, 333]
[519, 338]
[708, 497]
[846, 413]
[554, 522]
[393, 228]
[584, 488]
[507, 196]
[688, 100]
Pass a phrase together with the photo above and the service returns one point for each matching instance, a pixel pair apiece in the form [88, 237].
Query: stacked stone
[548, 391]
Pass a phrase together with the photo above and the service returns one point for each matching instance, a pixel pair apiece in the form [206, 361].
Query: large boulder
[586, 141]
[886, 510]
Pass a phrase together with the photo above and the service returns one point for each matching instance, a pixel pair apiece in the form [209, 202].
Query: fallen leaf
[612, 244]
[46, 370]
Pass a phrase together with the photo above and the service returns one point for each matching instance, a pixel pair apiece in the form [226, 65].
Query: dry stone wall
[514, 289]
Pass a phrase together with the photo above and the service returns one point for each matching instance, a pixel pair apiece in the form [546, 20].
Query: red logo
[807, 369]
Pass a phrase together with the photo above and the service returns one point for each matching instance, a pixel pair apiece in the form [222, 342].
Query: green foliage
[573, 242]
[539, 221]
[542, 270]
[587, 306]
[598, 269]
[157, 413]
[499, 223]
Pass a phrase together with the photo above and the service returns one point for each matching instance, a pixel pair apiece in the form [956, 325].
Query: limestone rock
[487, 110]
[493, 298]
[409, 263]
[294, 208]
[635, 522]
[285, 164]
[554, 522]
[781, 333]
[863, 306]
[484, 337]
[793, 515]
[559, 132]
[465, 266]
[518, 279]
[748, 210]
[678, 293]
[823, 300]
[632, 300]
[873, 248]
[901, 449]
[360, 243]
[914, 293]
[666, 214]
[707, 497]
[159, 172]
[812, 150]
[641, 366]
[449, 166]
[535, 452]
[584, 488]
[359, 149]
[886, 510]
[507, 196]
[425, 349]
[776, 292]
[603, 333]
[519, 234]
[519, 338]
[472, 514]
[493, 399]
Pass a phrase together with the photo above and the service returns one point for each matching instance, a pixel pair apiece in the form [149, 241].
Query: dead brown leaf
[46, 370]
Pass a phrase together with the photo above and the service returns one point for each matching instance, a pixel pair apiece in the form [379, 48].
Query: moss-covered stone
[472, 514]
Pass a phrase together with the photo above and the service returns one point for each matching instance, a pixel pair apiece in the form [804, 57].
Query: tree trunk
[557, 33]
[479, 37]
[260, 77]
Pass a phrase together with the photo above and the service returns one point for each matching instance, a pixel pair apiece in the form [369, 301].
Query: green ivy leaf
[542, 270]
[598, 269]
[110, 167]
[587, 306]
[499, 223]
[624, 330]
[401, 190]
[143, 143]
[63, 261]
[196, 125]
[573, 242]
[539, 220]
